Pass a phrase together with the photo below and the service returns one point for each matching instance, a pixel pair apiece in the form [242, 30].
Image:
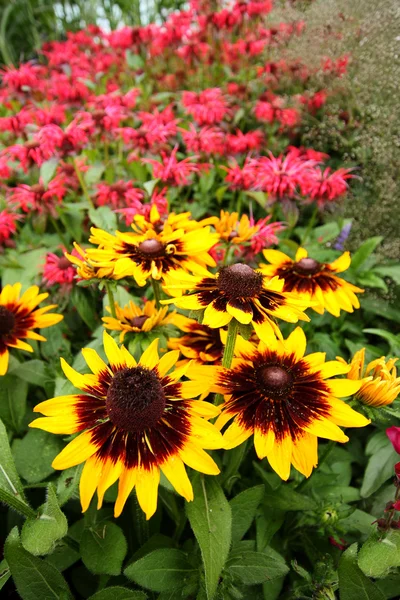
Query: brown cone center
[275, 380]
[135, 399]
[307, 266]
[239, 281]
[7, 321]
[139, 321]
[151, 248]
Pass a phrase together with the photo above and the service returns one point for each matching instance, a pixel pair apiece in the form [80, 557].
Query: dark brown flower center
[139, 321]
[151, 248]
[307, 266]
[275, 380]
[7, 321]
[239, 281]
[135, 399]
[63, 263]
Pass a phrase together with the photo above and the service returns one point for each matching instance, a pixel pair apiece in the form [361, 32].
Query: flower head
[133, 319]
[199, 342]
[133, 419]
[85, 270]
[380, 385]
[314, 280]
[239, 292]
[286, 400]
[19, 316]
[58, 270]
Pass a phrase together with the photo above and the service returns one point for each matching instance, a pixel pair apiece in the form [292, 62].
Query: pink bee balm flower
[173, 171]
[58, 270]
[121, 194]
[393, 434]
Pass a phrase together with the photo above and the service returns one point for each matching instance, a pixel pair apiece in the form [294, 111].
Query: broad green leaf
[359, 521]
[11, 489]
[103, 549]
[47, 170]
[211, 520]
[353, 584]
[372, 280]
[68, 484]
[32, 371]
[118, 593]
[150, 185]
[83, 302]
[392, 271]
[93, 174]
[13, 394]
[244, 507]
[134, 61]
[34, 454]
[394, 340]
[5, 573]
[63, 557]
[378, 556]
[104, 218]
[364, 251]
[380, 467]
[255, 567]
[38, 536]
[268, 522]
[34, 578]
[162, 570]
[285, 497]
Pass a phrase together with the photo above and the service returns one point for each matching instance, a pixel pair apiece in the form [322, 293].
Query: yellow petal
[174, 470]
[342, 263]
[89, 480]
[94, 362]
[147, 490]
[216, 318]
[239, 314]
[344, 416]
[4, 358]
[76, 452]
[80, 381]
[326, 429]
[280, 457]
[204, 409]
[263, 442]
[341, 388]
[275, 257]
[296, 343]
[57, 406]
[109, 475]
[206, 434]
[126, 484]
[167, 362]
[332, 368]
[305, 454]
[113, 353]
[236, 435]
[67, 424]
[150, 357]
[301, 253]
[198, 459]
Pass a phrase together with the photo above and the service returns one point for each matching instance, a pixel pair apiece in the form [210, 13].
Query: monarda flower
[286, 400]
[199, 342]
[37, 197]
[58, 270]
[173, 171]
[317, 282]
[133, 319]
[121, 194]
[380, 385]
[133, 420]
[238, 292]
[325, 186]
[8, 225]
[19, 316]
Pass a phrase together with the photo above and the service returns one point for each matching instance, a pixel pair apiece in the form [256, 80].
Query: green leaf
[34, 578]
[83, 302]
[104, 218]
[103, 549]
[118, 593]
[150, 185]
[134, 61]
[38, 536]
[244, 507]
[11, 489]
[162, 570]
[41, 447]
[392, 271]
[353, 584]
[68, 484]
[379, 469]
[285, 497]
[5, 573]
[268, 522]
[255, 567]
[13, 394]
[48, 169]
[93, 174]
[378, 556]
[394, 340]
[364, 251]
[370, 279]
[31, 371]
[210, 518]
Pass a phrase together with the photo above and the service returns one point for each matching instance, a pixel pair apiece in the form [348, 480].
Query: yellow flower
[286, 400]
[200, 342]
[314, 280]
[132, 318]
[84, 269]
[154, 222]
[18, 319]
[133, 419]
[153, 253]
[233, 230]
[380, 385]
[239, 292]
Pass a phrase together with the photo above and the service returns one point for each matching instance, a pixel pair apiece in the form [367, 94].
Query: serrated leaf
[41, 447]
[353, 584]
[378, 556]
[5, 573]
[34, 578]
[13, 395]
[251, 568]
[103, 549]
[162, 570]
[244, 507]
[118, 593]
[38, 536]
[211, 520]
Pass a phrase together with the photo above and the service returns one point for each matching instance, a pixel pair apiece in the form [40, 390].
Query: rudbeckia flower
[133, 419]
[133, 319]
[380, 385]
[199, 342]
[234, 230]
[315, 281]
[239, 292]
[84, 269]
[286, 400]
[18, 319]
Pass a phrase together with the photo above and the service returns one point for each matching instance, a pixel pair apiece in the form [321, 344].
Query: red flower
[209, 107]
[393, 434]
[37, 197]
[58, 270]
[8, 225]
[121, 194]
[323, 187]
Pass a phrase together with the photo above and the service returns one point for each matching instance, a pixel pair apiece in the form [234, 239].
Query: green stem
[310, 225]
[228, 353]
[83, 184]
[140, 524]
[59, 232]
[111, 300]
[156, 291]
[327, 450]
